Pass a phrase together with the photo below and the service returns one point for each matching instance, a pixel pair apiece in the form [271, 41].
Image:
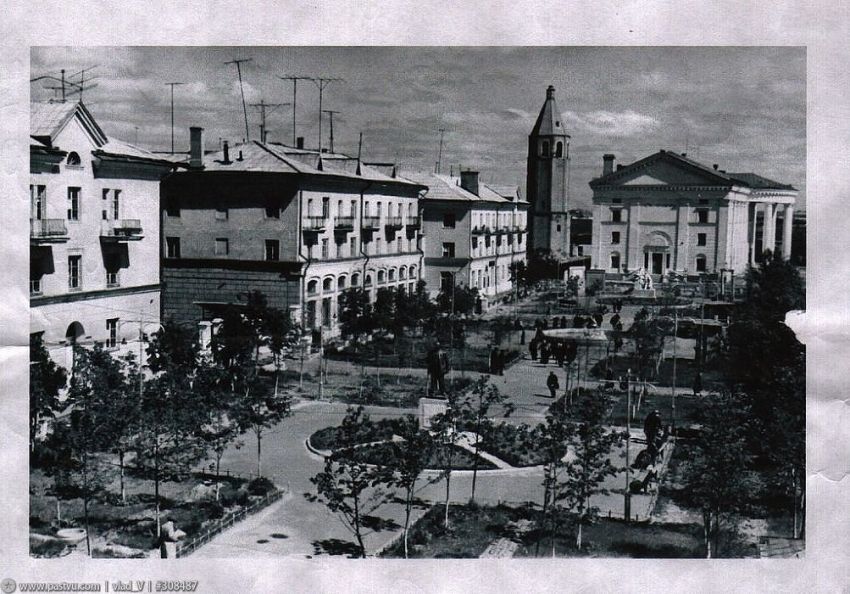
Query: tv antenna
[242, 91]
[322, 82]
[172, 85]
[331, 113]
[440, 152]
[262, 105]
[294, 80]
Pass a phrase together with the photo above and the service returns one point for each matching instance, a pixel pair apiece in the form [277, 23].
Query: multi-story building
[474, 232]
[94, 232]
[667, 212]
[299, 225]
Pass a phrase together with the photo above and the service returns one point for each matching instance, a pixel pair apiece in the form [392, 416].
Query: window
[355, 279]
[392, 275]
[700, 263]
[702, 215]
[368, 281]
[615, 237]
[116, 202]
[340, 283]
[326, 207]
[379, 210]
[172, 247]
[617, 215]
[327, 285]
[272, 212]
[446, 281]
[377, 245]
[112, 333]
[701, 238]
[272, 250]
[172, 208]
[309, 207]
[112, 279]
[449, 220]
[559, 149]
[37, 199]
[353, 247]
[353, 211]
[382, 277]
[35, 286]
[325, 249]
[448, 250]
[399, 245]
[312, 287]
[74, 270]
[402, 273]
[558, 227]
[222, 246]
[338, 249]
[544, 148]
[221, 214]
[73, 204]
[73, 160]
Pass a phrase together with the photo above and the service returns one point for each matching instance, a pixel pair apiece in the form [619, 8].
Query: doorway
[657, 263]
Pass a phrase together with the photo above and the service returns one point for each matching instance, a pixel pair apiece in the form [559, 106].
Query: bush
[48, 549]
[261, 486]
[230, 496]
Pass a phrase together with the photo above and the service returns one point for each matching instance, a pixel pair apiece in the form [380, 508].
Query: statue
[652, 426]
[170, 535]
[438, 367]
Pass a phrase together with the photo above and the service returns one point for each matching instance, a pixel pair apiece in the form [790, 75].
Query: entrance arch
[74, 332]
[656, 253]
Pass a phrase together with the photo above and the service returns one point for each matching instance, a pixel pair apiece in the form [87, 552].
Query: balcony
[121, 230]
[413, 222]
[371, 223]
[481, 230]
[344, 224]
[395, 223]
[48, 231]
[315, 224]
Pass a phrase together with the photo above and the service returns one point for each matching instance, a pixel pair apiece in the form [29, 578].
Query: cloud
[609, 123]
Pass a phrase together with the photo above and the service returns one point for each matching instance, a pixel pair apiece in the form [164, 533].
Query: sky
[742, 108]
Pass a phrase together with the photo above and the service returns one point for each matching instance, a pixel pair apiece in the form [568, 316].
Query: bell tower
[547, 183]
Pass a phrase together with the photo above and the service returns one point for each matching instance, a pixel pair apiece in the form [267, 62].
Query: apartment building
[474, 232]
[94, 233]
[297, 224]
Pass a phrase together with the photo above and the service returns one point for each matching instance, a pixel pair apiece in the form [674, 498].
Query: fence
[226, 521]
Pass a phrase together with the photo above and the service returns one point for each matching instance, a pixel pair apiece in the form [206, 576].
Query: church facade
[547, 183]
[668, 213]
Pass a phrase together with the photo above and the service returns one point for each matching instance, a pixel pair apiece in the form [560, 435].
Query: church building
[669, 213]
[547, 183]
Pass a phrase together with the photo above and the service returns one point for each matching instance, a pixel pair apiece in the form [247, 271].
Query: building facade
[474, 233]
[94, 233]
[667, 212]
[547, 183]
[298, 225]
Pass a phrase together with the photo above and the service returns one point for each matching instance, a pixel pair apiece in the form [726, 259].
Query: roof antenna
[359, 152]
[440, 152]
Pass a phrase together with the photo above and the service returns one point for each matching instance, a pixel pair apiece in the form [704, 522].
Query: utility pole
[627, 511]
[673, 389]
[172, 85]
[242, 91]
[321, 83]
[262, 105]
[331, 113]
[440, 152]
[294, 80]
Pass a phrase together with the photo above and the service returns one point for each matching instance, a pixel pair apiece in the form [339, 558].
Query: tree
[356, 321]
[474, 409]
[716, 477]
[591, 443]
[774, 288]
[258, 410]
[410, 456]
[46, 382]
[348, 486]
[458, 300]
[444, 430]
[647, 332]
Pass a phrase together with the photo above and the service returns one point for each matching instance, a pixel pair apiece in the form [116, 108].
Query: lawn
[685, 372]
[462, 459]
[506, 441]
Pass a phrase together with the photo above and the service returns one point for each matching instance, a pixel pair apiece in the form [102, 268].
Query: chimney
[607, 164]
[299, 142]
[226, 159]
[196, 147]
[550, 92]
[469, 181]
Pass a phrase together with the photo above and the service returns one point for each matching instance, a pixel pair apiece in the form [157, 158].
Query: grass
[462, 459]
[505, 441]
[685, 372]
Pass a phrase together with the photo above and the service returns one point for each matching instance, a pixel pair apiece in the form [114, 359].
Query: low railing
[315, 223]
[121, 228]
[371, 222]
[481, 229]
[344, 223]
[395, 222]
[48, 228]
[413, 222]
[226, 521]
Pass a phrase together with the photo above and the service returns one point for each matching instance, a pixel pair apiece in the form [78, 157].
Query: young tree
[458, 300]
[717, 478]
[444, 428]
[348, 486]
[647, 333]
[590, 464]
[409, 459]
[258, 410]
[46, 381]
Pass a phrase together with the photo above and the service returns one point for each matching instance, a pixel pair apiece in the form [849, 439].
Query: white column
[787, 231]
[754, 215]
[769, 231]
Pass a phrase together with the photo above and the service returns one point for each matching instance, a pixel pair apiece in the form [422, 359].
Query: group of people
[560, 350]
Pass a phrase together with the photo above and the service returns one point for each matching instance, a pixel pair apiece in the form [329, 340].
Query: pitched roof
[447, 187]
[48, 119]
[719, 177]
[549, 121]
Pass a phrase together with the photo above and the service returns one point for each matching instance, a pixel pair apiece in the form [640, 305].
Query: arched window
[312, 287]
[368, 281]
[402, 273]
[328, 285]
[382, 277]
[559, 149]
[700, 263]
[544, 148]
[355, 280]
[392, 275]
[73, 159]
[412, 272]
[340, 283]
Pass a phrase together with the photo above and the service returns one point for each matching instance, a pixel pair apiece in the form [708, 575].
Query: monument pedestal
[428, 408]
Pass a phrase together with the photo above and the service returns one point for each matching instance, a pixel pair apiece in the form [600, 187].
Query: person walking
[552, 384]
